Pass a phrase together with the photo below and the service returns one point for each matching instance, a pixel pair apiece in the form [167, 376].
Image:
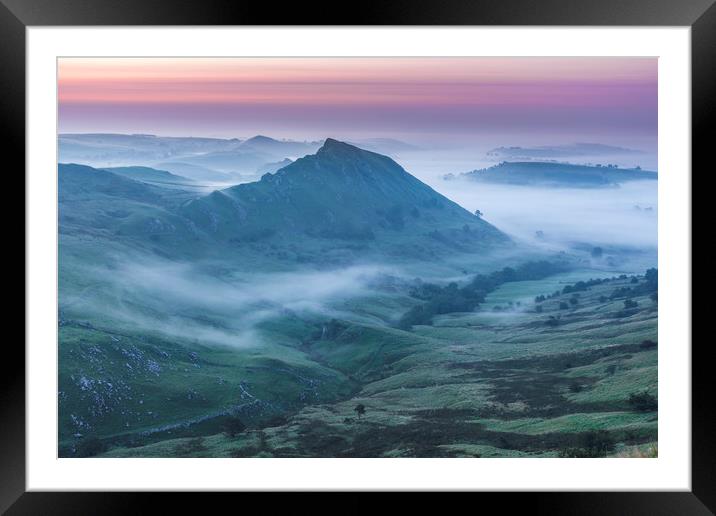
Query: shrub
[332, 329]
[647, 344]
[563, 305]
[595, 443]
[233, 426]
[89, 447]
[620, 292]
[451, 298]
[643, 402]
[189, 447]
[650, 451]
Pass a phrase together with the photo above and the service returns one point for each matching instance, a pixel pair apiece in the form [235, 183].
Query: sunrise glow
[323, 96]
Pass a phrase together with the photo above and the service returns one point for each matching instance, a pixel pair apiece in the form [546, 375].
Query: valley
[339, 307]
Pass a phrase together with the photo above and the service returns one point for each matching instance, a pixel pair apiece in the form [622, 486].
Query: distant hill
[211, 157]
[284, 148]
[270, 168]
[104, 150]
[151, 175]
[238, 161]
[251, 154]
[195, 172]
[76, 181]
[556, 175]
[120, 213]
[561, 151]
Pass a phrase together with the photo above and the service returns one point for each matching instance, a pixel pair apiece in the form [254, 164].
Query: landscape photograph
[343, 257]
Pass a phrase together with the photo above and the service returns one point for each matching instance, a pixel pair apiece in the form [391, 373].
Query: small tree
[597, 443]
[233, 426]
[89, 447]
[643, 402]
[630, 303]
[360, 410]
[647, 344]
[478, 214]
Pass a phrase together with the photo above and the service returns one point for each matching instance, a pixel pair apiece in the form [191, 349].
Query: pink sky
[588, 98]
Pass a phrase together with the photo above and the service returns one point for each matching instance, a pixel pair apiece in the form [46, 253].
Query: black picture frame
[17, 15]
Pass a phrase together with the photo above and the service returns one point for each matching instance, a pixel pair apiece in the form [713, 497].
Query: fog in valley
[192, 301]
[625, 215]
[331, 257]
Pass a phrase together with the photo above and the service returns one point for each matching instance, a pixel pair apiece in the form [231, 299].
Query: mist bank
[192, 302]
[624, 216]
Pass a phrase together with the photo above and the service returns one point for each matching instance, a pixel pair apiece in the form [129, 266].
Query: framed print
[440, 249]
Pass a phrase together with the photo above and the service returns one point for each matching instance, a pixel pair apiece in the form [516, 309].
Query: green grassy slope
[343, 193]
[152, 176]
[157, 359]
[462, 387]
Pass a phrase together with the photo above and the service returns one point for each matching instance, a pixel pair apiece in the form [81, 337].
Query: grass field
[481, 384]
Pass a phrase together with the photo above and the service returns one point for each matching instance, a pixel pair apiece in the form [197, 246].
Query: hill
[224, 325]
[281, 148]
[556, 175]
[545, 152]
[341, 192]
[196, 172]
[100, 149]
[340, 205]
[208, 159]
[250, 155]
[151, 175]
[75, 181]
[270, 168]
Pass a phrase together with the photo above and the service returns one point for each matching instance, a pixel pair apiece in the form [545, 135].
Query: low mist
[187, 301]
[620, 216]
